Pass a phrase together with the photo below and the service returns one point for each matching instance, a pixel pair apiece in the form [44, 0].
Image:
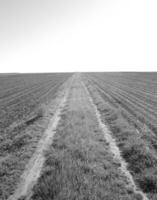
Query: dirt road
[91, 164]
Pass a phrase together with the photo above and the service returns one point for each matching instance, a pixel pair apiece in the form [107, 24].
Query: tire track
[115, 150]
[34, 167]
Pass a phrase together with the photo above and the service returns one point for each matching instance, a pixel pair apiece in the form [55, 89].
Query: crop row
[25, 100]
[132, 121]
[144, 112]
[23, 120]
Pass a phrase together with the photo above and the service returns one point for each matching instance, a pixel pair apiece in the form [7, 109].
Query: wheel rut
[115, 150]
[78, 99]
[33, 168]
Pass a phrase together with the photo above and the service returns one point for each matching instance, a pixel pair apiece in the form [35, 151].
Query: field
[23, 102]
[78, 136]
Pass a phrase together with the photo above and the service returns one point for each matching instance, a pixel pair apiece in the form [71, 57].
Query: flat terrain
[24, 101]
[89, 136]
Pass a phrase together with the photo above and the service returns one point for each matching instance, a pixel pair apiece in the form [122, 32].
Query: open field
[78, 136]
[128, 107]
[24, 102]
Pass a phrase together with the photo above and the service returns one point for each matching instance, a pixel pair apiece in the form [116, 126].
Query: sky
[78, 35]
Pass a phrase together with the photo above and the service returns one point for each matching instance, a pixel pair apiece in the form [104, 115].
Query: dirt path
[34, 167]
[115, 150]
[79, 163]
[84, 119]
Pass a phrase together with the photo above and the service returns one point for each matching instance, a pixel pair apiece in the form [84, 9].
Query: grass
[15, 153]
[18, 144]
[135, 148]
[79, 166]
[24, 101]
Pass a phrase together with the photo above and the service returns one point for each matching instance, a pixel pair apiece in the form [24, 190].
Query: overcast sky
[78, 35]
